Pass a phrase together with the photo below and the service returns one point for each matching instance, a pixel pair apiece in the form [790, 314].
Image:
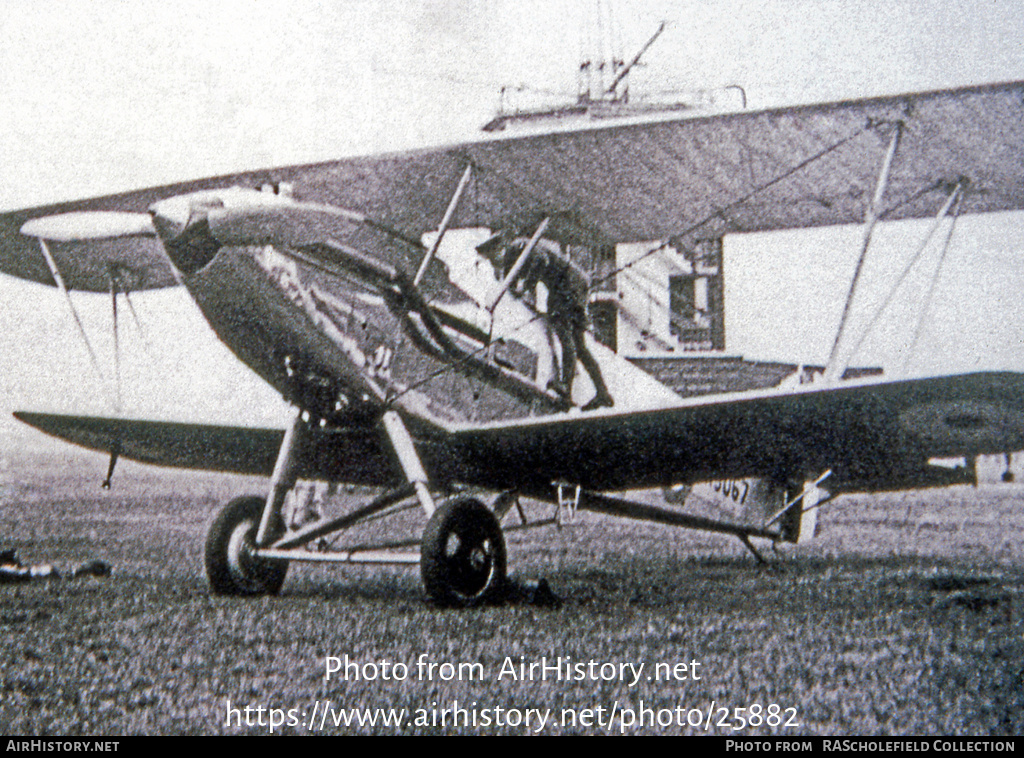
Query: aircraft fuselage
[346, 334]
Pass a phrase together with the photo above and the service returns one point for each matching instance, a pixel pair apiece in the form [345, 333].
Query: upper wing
[700, 177]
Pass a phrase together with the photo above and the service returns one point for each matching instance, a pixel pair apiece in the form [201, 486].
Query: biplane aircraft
[318, 279]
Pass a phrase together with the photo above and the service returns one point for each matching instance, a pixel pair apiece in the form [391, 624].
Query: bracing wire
[931, 291]
[117, 346]
[717, 213]
[721, 212]
[59, 279]
[954, 197]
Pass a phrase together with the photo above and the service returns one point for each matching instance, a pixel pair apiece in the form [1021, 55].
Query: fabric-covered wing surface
[694, 177]
[875, 432]
[787, 168]
[351, 455]
[872, 434]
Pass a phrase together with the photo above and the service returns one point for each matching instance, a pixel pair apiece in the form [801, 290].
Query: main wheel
[231, 564]
[462, 556]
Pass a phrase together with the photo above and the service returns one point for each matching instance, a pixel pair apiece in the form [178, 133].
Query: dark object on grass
[537, 593]
[92, 568]
[13, 571]
[977, 601]
[544, 596]
[956, 583]
[11, 574]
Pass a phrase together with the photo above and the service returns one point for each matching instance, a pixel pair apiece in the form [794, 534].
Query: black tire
[231, 567]
[462, 556]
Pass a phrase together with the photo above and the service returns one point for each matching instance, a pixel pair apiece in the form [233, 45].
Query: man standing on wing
[568, 294]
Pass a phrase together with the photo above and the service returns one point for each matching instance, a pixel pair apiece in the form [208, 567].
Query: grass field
[904, 617]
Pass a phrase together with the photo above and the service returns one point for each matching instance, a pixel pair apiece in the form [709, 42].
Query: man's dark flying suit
[568, 291]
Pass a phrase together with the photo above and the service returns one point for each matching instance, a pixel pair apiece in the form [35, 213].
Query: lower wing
[871, 435]
[354, 455]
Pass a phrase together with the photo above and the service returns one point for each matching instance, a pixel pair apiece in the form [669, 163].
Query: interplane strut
[837, 361]
[445, 223]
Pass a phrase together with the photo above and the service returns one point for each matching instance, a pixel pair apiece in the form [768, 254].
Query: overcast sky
[106, 96]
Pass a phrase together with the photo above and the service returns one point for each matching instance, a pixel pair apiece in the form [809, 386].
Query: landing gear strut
[462, 550]
[247, 524]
